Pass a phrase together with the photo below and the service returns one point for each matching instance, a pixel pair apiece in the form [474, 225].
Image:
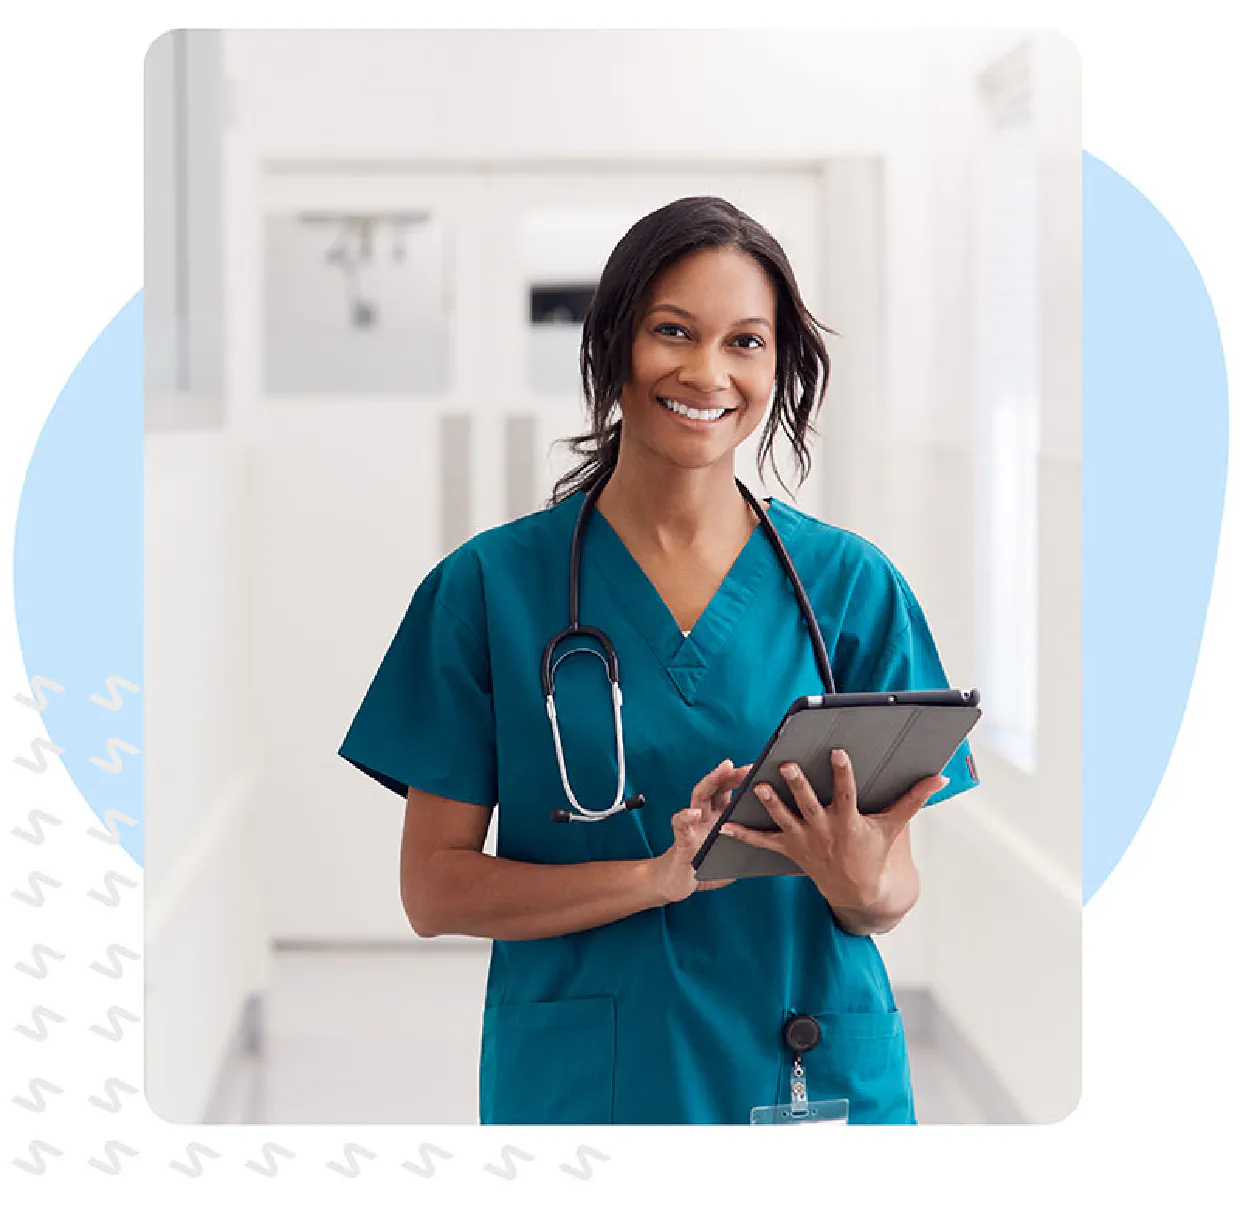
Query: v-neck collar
[686, 658]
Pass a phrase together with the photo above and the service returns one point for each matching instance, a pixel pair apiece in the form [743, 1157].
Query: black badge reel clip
[801, 1033]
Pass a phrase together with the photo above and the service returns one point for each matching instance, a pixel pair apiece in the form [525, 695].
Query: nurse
[620, 990]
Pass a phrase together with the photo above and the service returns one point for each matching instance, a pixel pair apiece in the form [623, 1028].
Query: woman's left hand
[844, 852]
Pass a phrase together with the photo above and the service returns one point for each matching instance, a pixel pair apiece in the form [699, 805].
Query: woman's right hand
[674, 875]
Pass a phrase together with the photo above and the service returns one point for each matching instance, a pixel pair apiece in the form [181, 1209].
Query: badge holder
[801, 1033]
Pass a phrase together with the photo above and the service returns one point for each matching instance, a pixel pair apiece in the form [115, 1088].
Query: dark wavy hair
[649, 247]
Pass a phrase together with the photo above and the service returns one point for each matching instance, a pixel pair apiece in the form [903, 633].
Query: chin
[700, 459]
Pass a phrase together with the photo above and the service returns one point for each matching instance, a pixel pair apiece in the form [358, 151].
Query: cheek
[649, 364]
[754, 419]
[758, 385]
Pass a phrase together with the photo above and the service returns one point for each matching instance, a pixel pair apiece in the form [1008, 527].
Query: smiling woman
[621, 988]
[716, 320]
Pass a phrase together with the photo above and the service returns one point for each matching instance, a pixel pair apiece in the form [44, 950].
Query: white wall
[206, 940]
[206, 927]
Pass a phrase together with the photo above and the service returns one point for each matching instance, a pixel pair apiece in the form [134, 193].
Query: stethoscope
[608, 656]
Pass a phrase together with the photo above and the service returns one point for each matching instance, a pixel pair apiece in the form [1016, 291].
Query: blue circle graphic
[77, 574]
[1154, 438]
[1154, 433]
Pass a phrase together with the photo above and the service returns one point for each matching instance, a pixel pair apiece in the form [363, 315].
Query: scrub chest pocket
[862, 1057]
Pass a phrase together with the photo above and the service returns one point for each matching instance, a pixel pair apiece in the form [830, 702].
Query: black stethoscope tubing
[575, 629]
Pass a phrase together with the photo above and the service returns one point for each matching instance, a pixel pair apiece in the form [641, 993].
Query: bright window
[1007, 418]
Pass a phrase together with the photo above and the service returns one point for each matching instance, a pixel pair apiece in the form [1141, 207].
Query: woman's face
[703, 362]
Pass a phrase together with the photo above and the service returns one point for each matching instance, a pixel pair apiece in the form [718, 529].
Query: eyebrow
[753, 319]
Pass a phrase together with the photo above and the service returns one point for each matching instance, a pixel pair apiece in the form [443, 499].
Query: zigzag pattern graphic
[112, 1086]
[115, 952]
[37, 953]
[38, 684]
[37, 817]
[38, 1148]
[270, 1151]
[115, 1015]
[112, 1149]
[194, 1150]
[111, 818]
[115, 702]
[427, 1168]
[38, 746]
[114, 745]
[584, 1153]
[112, 880]
[37, 880]
[39, 1015]
[351, 1152]
[506, 1154]
[36, 1100]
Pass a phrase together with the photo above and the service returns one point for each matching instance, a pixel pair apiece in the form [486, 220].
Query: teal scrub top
[672, 1014]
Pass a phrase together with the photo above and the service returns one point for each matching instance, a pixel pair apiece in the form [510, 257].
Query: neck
[672, 507]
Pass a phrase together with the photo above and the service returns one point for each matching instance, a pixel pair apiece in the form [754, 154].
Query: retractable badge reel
[801, 1033]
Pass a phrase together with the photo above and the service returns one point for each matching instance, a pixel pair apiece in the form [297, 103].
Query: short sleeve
[905, 658]
[427, 720]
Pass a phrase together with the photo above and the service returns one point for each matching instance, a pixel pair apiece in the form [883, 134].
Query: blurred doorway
[456, 364]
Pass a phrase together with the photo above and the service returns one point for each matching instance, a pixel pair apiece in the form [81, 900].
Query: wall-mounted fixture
[358, 239]
[357, 301]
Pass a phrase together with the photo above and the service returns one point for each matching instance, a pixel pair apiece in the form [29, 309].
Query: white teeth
[691, 413]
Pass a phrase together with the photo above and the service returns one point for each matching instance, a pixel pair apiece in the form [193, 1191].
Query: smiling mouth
[697, 414]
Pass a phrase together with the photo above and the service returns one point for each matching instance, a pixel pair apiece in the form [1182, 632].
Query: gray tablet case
[894, 741]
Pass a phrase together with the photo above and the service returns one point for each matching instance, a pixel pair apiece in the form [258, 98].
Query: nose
[704, 370]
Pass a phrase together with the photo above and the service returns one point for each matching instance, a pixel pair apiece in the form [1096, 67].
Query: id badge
[832, 1111]
[800, 1109]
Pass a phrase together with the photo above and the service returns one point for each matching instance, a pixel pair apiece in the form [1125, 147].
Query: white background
[1160, 1055]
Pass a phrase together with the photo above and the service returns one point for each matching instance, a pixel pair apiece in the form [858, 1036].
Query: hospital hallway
[365, 1035]
[362, 334]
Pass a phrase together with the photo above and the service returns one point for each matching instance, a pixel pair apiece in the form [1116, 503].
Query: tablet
[893, 739]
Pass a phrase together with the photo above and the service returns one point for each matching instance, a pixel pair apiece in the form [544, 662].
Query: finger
[730, 779]
[723, 796]
[755, 837]
[684, 821]
[806, 800]
[909, 804]
[711, 884]
[706, 788]
[783, 818]
[844, 797]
